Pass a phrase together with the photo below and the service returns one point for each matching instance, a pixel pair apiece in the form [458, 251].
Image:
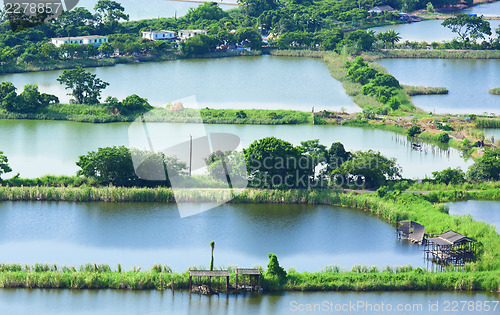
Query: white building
[381, 9]
[81, 40]
[185, 34]
[159, 35]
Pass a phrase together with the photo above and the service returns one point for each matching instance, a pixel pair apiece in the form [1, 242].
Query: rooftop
[80, 37]
[451, 238]
[208, 273]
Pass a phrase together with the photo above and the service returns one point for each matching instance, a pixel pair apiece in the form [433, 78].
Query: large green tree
[468, 27]
[86, 87]
[272, 162]
[4, 166]
[486, 167]
[370, 169]
[110, 11]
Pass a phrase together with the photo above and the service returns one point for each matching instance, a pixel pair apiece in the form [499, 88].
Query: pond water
[467, 80]
[492, 132]
[488, 9]
[486, 211]
[37, 148]
[428, 31]
[152, 9]
[246, 82]
[109, 302]
[305, 237]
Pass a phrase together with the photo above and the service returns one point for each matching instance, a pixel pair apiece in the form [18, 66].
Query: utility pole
[190, 154]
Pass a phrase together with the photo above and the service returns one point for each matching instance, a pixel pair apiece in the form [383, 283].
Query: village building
[81, 40]
[381, 9]
[159, 35]
[185, 34]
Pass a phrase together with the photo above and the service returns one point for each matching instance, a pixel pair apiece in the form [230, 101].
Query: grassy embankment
[483, 275]
[102, 114]
[160, 278]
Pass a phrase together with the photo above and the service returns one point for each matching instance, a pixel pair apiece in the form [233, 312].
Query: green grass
[102, 114]
[362, 278]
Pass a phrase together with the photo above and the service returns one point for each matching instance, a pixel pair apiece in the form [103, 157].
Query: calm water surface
[37, 148]
[467, 80]
[490, 9]
[486, 211]
[153, 302]
[428, 31]
[307, 238]
[246, 82]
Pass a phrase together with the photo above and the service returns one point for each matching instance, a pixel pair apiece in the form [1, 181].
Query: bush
[444, 138]
[413, 131]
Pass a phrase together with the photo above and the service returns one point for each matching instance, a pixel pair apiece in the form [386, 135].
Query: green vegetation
[4, 165]
[212, 246]
[86, 87]
[495, 91]
[421, 90]
[468, 27]
[423, 53]
[361, 278]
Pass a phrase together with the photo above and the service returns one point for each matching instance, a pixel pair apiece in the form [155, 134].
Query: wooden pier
[412, 231]
[451, 248]
[254, 275]
[209, 274]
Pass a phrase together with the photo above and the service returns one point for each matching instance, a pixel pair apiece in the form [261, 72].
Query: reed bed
[422, 90]
[488, 123]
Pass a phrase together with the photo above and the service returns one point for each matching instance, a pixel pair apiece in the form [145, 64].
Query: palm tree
[393, 37]
[212, 245]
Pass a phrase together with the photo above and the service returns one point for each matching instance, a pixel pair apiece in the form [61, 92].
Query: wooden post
[236, 282]
[227, 284]
[258, 283]
[172, 286]
[190, 283]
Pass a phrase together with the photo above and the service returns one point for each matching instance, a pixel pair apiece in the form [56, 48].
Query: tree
[413, 131]
[274, 270]
[205, 13]
[337, 155]
[198, 45]
[371, 167]
[316, 153]
[468, 26]
[249, 36]
[212, 246]
[272, 162]
[110, 11]
[29, 101]
[86, 87]
[390, 38]
[450, 176]
[486, 167]
[134, 103]
[4, 166]
[5, 89]
[228, 167]
[106, 49]
[111, 165]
